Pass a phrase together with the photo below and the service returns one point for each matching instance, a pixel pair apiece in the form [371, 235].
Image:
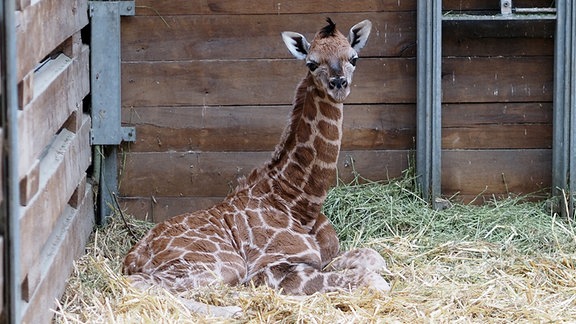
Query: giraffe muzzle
[338, 83]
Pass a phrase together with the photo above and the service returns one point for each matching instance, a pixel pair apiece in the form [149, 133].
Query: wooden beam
[217, 7]
[61, 169]
[59, 89]
[29, 183]
[475, 172]
[54, 265]
[38, 36]
[258, 128]
[213, 174]
[256, 82]
[239, 37]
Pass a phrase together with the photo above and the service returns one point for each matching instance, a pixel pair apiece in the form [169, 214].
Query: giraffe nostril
[332, 84]
[339, 82]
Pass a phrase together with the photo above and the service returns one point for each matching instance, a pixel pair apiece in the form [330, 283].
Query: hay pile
[506, 261]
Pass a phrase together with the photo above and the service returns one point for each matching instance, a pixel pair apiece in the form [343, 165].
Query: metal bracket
[506, 7]
[105, 72]
[107, 131]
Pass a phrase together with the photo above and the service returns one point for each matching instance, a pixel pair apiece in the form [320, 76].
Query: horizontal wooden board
[455, 115]
[59, 88]
[195, 37]
[472, 45]
[498, 137]
[497, 79]
[213, 174]
[377, 80]
[258, 128]
[475, 172]
[497, 126]
[43, 26]
[503, 30]
[61, 170]
[55, 264]
[215, 7]
[148, 38]
[158, 209]
[255, 82]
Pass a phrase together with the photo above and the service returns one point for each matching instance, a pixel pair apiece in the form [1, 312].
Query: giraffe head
[331, 57]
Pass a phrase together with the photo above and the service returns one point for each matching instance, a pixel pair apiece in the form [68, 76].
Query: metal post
[11, 214]
[107, 131]
[572, 71]
[564, 146]
[429, 98]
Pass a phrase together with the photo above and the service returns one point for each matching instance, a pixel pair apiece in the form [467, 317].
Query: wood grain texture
[497, 126]
[473, 45]
[218, 7]
[378, 80]
[475, 172]
[208, 85]
[214, 174]
[258, 128]
[497, 79]
[239, 37]
[464, 114]
[158, 209]
[43, 26]
[497, 137]
[59, 91]
[55, 264]
[255, 82]
[61, 170]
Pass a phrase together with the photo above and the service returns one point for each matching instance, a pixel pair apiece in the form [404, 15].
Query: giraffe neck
[304, 163]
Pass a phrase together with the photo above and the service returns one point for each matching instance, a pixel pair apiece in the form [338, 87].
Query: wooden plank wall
[54, 132]
[208, 86]
[497, 80]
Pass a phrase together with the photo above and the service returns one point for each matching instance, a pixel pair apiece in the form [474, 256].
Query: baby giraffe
[270, 230]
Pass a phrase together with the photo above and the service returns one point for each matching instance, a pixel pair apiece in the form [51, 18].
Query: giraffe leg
[326, 237]
[144, 281]
[303, 279]
[362, 258]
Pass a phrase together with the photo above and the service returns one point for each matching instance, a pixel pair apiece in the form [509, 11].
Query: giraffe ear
[297, 44]
[359, 33]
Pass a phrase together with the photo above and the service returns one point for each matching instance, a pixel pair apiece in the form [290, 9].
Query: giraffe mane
[289, 132]
[327, 30]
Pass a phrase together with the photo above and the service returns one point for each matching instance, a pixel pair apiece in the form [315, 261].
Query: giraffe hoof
[374, 281]
[362, 258]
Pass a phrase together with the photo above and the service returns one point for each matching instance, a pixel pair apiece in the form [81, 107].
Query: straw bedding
[505, 261]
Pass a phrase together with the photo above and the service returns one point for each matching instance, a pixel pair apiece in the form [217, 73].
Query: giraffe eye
[353, 60]
[312, 65]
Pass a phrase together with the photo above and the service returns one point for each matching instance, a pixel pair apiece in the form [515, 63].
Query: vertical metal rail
[11, 213]
[572, 152]
[564, 121]
[107, 131]
[429, 99]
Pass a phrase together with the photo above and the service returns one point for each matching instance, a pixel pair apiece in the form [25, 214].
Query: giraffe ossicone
[270, 230]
